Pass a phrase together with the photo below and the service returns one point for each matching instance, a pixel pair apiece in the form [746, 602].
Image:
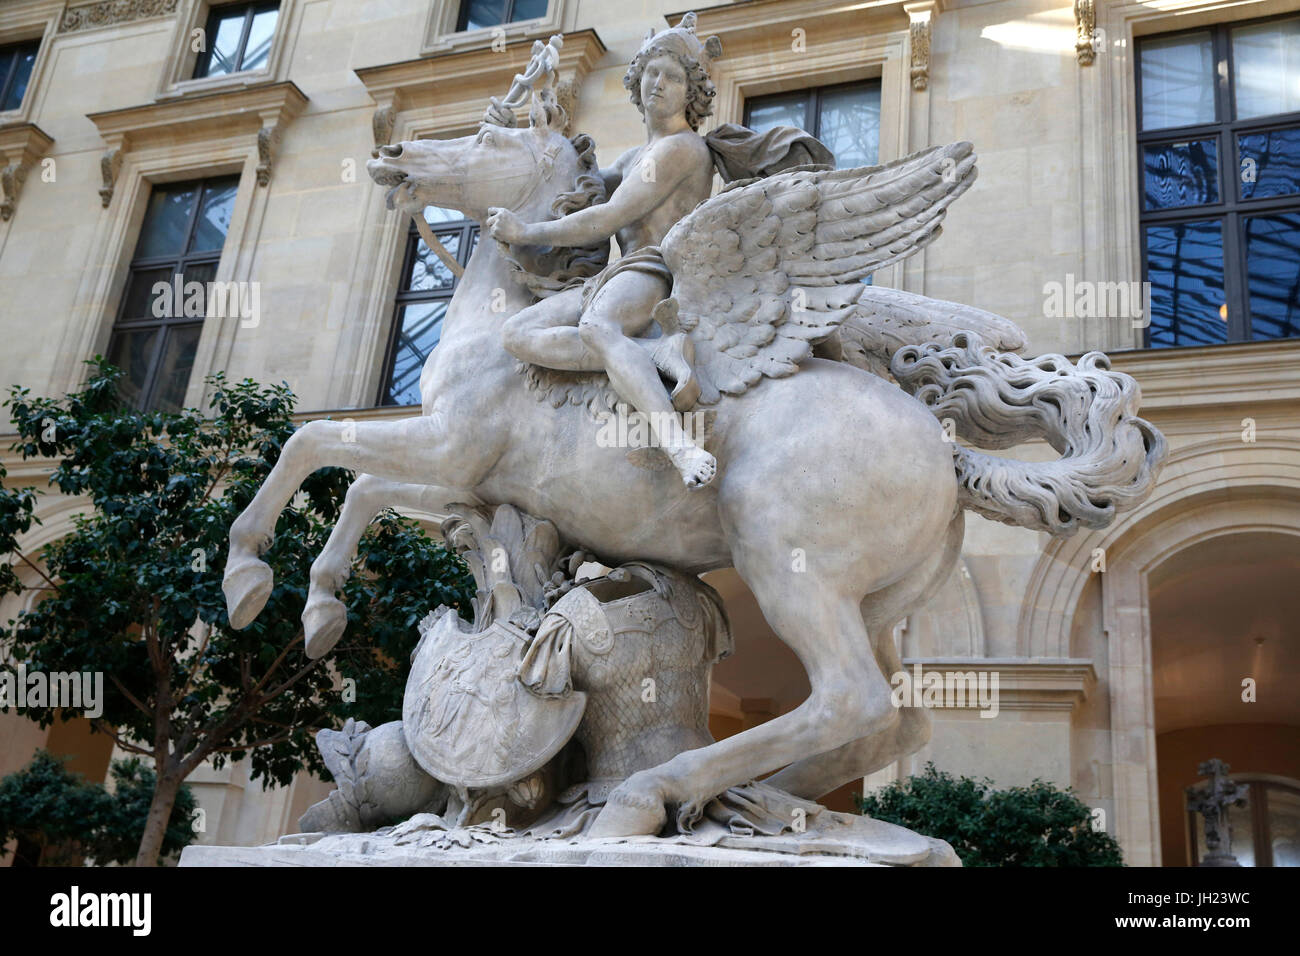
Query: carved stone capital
[110, 164]
[1085, 28]
[21, 148]
[381, 124]
[921, 17]
[268, 142]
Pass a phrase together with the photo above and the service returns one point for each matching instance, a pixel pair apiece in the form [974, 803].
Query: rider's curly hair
[699, 85]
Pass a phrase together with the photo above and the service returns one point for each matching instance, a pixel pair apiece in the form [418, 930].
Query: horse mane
[546, 271]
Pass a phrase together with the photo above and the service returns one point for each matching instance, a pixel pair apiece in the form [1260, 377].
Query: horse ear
[539, 115]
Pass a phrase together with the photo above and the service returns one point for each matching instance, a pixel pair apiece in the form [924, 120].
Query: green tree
[1037, 825]
[57, 817]
[134, 591]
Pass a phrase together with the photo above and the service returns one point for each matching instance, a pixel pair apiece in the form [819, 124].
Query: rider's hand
[504, 225]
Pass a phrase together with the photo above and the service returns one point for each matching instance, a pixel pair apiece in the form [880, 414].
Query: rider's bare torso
[650, 229]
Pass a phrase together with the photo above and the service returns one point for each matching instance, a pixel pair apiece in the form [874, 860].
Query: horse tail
[1109, 458]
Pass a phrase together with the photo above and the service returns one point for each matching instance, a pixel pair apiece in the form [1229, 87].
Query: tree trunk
[160, 812]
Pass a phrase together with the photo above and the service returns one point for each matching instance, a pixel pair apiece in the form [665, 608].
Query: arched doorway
[1225, 652]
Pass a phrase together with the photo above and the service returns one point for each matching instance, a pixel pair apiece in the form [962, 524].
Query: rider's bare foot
[696, 465]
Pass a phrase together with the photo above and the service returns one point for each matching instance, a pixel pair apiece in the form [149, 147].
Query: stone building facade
[1109, 132]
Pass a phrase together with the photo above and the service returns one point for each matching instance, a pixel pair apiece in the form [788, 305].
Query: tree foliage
[1038, 825]
[58, 817]
[134, 591]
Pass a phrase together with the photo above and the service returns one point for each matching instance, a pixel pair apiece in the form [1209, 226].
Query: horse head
[527, 169]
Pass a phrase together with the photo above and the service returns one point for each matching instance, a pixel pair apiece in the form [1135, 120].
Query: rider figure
[594, 327]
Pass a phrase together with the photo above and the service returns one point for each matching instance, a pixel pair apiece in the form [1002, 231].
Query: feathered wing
[766, 270]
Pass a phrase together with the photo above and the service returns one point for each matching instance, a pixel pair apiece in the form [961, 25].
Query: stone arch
[1208, 490]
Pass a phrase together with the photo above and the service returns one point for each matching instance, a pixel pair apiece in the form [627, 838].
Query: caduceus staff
[544, 62]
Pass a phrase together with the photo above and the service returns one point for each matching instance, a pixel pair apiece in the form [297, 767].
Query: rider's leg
[617, 313]
[546, 334]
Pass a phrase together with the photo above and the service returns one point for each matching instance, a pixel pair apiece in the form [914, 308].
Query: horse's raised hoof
[247, 586]
[629, 814]
[323, 623]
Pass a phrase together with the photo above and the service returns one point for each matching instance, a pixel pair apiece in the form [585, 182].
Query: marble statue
[822, 462]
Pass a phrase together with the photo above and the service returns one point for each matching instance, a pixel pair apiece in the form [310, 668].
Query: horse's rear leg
[325, 617]
[849, 700]
[819, 774]
[415, 450]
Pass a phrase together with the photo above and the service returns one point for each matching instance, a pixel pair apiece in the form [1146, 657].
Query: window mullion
[243, 38]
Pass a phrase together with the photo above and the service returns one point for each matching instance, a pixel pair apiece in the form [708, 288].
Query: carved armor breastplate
[642, 649]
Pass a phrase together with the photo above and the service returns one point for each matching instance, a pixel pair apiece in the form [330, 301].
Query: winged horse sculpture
[839, 495]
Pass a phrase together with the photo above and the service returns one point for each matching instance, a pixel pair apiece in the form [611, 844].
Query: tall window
[16, 62]
[156, 335]
[846, 118]
[476, 14]
[1219, 163]
[238, 37]
[423, 296]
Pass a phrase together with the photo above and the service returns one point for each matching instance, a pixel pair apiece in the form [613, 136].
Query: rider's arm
[671, 161]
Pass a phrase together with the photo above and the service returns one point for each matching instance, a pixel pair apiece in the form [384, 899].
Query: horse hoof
[247, 587]
[323, 622]
[628, 815]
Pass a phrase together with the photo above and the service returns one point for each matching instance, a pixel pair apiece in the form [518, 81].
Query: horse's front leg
[415, 450]
[325, 617]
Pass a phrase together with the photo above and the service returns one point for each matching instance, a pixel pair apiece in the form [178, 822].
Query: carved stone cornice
[1058, 684]
[21, 148]
[1085, 28]
[423, 84]
[260, 111]
[772, 21]
[104, 13]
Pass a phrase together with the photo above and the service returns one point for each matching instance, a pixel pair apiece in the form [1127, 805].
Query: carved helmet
[682, 40]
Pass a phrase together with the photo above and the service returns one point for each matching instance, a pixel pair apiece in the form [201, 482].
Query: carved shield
[467, 719]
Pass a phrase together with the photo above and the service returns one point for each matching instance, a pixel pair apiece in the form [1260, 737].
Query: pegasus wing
[768, 268]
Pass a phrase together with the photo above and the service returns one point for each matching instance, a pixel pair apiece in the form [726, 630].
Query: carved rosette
[1085, 27]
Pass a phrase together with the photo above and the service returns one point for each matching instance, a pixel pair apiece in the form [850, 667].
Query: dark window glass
[1273, 275]
[1181, 174]
[477, 14]
[16, 62]
[238, 37]
[156, 336]
[1185, 269]
[423, 297]
[846, 118]
[1219, 155]
[1270, 163]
